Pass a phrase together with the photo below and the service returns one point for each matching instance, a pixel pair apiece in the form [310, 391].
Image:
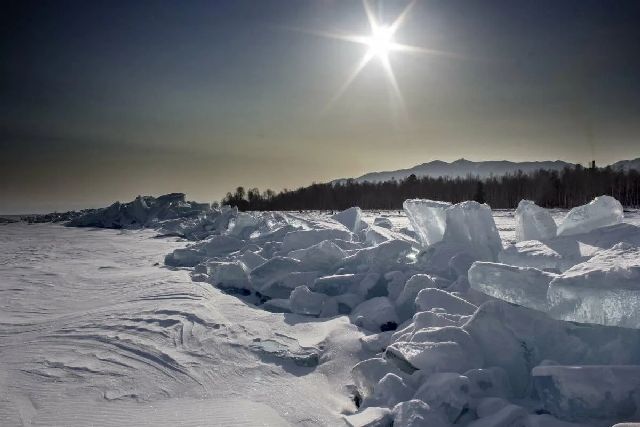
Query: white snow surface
[95, 331]
[113, 327]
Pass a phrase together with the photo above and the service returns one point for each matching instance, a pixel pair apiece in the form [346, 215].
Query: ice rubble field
[441, 315]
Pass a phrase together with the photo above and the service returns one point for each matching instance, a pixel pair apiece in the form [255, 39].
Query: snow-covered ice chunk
[322, 256]
[446, 391]
[489, 382]
[252, 259]
[330, 308]
[389, 391]
[564, 252]
[347, 302]
[222, 245]
[305, 301]
[387, 256]
[374, 235]
[229, 275]
[471, 223]
[435, 258]
[526, 337]
[267, 278]
[416, 413]
[533, 222]
[243, 225]
[141, 212]
[369, 372]
[377, 342]
[430, 298]
[435, 319]
[287, 349]
[375, 314]
[370, 417]
[395, 283]
[302, 239]
[277, 305]
[604, 290]
[449, 334]
[428, 219]
[600, 212]
[533, 253]
[339, 284]
[508, 416]
[350, 218]
[490, 405]
[448, 349]
[298, 278]
[582, 393]
[525, 286]
[271, 235]
[383, 221]
[406, 301]
[460, 264]
[347, 245]
[183, 257]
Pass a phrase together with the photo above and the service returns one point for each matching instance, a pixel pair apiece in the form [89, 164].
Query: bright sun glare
[380, 42]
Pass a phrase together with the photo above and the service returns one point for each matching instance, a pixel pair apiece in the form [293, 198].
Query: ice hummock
[471, 224]
[604, 290]
[525, 338]
[141, 212]
[525, 286]
[533, 222]
[583, 393]
[351, 218]
[436, 350]
[563, 252]
[428, 219]
[600, 212]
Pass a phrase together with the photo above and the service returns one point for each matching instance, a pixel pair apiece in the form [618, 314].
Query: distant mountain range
[627, 164]
[462, 168]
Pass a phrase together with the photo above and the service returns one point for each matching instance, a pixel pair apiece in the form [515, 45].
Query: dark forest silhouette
[570, 187]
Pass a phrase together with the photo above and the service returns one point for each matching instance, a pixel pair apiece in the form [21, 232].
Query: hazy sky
[101, 101]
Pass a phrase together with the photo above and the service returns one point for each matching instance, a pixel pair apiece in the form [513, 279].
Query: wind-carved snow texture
[419, 314]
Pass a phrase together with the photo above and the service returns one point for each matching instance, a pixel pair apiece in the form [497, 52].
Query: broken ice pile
[590, 277]
[456, 330]
[144, 211]
[605, 289]
[589, 273]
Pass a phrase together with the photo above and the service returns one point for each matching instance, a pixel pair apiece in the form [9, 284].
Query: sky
[104, 100]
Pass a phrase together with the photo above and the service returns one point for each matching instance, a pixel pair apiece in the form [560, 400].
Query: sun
[380, 42]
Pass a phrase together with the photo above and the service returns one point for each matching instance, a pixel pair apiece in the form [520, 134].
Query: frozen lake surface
[95, 331]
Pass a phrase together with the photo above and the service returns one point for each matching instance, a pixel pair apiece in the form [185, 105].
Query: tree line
[567, 188]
